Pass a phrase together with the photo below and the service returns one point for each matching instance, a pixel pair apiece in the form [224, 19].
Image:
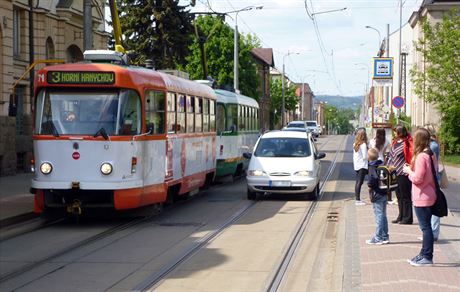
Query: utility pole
[283, 101]
[88, 26]
[235, 46]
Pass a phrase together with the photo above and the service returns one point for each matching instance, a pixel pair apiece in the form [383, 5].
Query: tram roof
[225, 96]
[129, 76]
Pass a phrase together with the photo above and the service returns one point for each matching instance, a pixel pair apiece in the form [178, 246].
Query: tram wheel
[251, 195]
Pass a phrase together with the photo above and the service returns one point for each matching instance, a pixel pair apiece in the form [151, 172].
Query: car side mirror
[247, 155]
[320, 155]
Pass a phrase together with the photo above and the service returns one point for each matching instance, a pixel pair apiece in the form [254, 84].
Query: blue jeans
[435, 222]
[424, 221]
[380, 213]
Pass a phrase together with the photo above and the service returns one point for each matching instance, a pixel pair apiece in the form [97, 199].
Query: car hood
[281, 164]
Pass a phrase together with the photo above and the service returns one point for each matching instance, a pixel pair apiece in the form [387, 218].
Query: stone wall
[7, 145]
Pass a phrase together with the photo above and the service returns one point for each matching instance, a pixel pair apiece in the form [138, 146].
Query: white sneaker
[359, 203]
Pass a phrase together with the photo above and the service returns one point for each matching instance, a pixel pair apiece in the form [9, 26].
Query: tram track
[299, 232]
[73, 247]
[153, 281]
[105, 234]
[156, 278]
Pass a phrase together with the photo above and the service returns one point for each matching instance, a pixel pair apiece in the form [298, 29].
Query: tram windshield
[60, 112]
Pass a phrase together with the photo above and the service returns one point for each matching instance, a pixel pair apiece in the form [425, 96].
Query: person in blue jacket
[379, 200]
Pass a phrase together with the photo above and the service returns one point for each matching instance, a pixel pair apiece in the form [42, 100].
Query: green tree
[218, 37]
[156, 29]
[339, 119]
[439, 81]
[276, 96]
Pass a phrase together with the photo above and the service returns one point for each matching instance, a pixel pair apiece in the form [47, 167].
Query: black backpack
[387, 178]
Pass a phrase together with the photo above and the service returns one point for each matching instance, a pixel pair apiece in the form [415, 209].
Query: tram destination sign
[77, 77]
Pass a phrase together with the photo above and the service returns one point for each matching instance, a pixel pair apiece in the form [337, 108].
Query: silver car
[284, 162]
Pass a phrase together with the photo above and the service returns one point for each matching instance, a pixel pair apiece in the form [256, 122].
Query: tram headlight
[46, 168]
[106, 168]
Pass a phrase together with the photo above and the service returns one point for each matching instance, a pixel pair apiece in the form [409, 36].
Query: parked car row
[308, 126]
[284, 162]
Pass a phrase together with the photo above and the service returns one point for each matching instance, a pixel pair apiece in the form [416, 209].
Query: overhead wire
[321, 44]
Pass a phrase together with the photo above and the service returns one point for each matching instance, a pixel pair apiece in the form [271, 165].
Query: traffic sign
[398, 101]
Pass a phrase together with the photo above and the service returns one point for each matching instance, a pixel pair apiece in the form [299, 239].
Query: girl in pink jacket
[423, 193]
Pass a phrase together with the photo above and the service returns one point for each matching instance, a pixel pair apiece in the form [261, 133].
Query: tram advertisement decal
[66, 77]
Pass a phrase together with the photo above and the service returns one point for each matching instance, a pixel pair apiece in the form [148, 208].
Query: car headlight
[46, 168]
[106, 168]
[256, 173]
[303, 173]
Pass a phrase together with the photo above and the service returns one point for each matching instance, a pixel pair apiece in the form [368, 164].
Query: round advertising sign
[398, 101]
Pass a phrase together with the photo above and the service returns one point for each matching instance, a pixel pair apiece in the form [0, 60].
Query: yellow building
[32, 30]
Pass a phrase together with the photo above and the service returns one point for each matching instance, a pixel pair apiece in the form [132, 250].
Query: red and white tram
[119, 137]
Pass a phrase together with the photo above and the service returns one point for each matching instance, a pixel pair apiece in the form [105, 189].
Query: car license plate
[279, 183]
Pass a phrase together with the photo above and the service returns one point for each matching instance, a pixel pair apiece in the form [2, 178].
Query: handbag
[439, 208]
[443, 175]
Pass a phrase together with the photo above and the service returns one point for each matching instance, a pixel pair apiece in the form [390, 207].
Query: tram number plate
[279, 183]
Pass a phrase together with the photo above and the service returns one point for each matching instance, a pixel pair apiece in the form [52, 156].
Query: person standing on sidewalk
[379, 200]
[434, 146]
[423, 193]
[360, 163]
[380, 142]
[401, 153]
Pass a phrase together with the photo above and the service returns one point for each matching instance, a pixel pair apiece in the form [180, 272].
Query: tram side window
[249, 119]
[221, 119]
[155, 111]
[190, 114]
[171, 119]
[241, 118]
[232, 117]
[257, 119]
[198, 114]
[253, 119]
[212, 116]
[130, 113]
[205, 115]
[180, 120]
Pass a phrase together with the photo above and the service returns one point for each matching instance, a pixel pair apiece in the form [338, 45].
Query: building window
[17, 31]
[49, 49]
[74, 54]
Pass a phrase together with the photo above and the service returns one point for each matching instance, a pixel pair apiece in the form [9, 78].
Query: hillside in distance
[341, 102]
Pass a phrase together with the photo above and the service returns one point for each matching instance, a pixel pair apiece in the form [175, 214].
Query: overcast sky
[285, 26]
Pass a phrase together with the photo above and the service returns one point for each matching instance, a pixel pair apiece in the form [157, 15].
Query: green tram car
[237, 131]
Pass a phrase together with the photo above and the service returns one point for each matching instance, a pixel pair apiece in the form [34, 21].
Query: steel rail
[154, 279]
[72, 247]
[296, 239]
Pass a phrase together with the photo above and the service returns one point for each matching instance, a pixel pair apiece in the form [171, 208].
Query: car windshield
[311, 124]
[68, 112]
[283, 147]
[296, 125]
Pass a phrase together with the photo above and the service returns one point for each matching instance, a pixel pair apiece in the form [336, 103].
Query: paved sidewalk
[15, 199]
[385, 267]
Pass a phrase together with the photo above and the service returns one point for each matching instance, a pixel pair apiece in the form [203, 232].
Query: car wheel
[251, 195]
[315, 193]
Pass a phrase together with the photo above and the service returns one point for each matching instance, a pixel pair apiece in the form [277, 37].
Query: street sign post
[398, 101]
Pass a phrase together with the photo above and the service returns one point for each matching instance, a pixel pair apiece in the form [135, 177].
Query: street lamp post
[235, 48]
[380, 37]
[282, 90]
